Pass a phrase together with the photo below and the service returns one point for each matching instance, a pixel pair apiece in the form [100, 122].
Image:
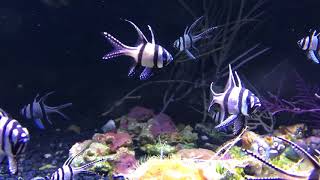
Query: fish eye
[261, 150]
[276, 144]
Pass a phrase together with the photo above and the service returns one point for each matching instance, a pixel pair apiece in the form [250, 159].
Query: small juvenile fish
[13, 140]
[68, 172]
[311, 46]
[145, 54]
[39, 111]
[235, 102]
[188, 40]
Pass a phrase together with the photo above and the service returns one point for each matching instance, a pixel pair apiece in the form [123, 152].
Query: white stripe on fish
[235, 102]
[311, 45]
[13, 140]
[146, 54]
[187, 41]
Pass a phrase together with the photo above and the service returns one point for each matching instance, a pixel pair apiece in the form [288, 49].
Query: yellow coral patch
[169, 169]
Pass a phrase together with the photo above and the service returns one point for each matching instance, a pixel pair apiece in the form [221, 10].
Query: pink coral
[162, 124]
[141, 113]
[125, 164]
[118, 140]
[115, 140]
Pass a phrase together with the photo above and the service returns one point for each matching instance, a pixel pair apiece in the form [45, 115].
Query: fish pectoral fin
[39, 123]
[311, 55]
[227, 122]
[13, 167]
[146, 73]
[189, 54]
[132, 70]
[238, 126]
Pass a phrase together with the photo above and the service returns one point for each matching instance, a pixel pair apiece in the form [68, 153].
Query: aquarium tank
[159, 90]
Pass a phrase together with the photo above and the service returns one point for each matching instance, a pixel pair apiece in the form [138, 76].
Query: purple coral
[141, 113]
[162, 124]
[115, 140]
[125, 164]
[305, 101]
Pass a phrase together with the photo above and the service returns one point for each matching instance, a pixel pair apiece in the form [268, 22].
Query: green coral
[103, 167]
[236, 153]
[220, 169]
[145, 137]
[187, 136]
[158, 148]
[282, 161]
[95, 150]
[237, 174]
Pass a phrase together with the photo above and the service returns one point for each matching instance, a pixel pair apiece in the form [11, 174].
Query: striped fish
[234, 103]
[68, 172]
[39, 112]
[314, 174]
[145, 54]
[13, 140]
[188, 40]
[311, 46]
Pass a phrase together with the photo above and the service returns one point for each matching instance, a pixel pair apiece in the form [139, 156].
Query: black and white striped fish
[314, 174]
[68, 172]
[188, 40]
[39, 112]
[234, 103]
[13, 140]
[311, 44]
[145, 54]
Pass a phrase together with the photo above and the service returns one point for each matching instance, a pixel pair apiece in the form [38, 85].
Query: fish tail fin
[119, 48]
[64, 106]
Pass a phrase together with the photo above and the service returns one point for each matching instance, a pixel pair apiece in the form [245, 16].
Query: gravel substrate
[46, 147]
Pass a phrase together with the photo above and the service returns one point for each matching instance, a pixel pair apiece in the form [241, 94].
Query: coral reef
[172, 151]
[162, 124]
[115, 146]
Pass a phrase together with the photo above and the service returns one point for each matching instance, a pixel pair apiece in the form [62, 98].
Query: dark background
[54, 47]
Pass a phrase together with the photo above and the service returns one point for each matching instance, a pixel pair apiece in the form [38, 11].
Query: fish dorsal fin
[231, 83]
[240, 85]
[193, 25]
[313, 33]
[43, 98]
[35, 99]
[152, 35]
[186, 30]
[142, 37]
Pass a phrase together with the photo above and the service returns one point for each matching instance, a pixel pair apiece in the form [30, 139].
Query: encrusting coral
[169, 152]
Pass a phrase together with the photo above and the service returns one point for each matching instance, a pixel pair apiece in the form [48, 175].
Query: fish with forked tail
[13, 140]
[67, 171]
[311, 44]
[188, 40]
[145, 54]
[235, 102]
[39, 111]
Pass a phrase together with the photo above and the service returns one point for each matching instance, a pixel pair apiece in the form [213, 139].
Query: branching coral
[305, 101]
